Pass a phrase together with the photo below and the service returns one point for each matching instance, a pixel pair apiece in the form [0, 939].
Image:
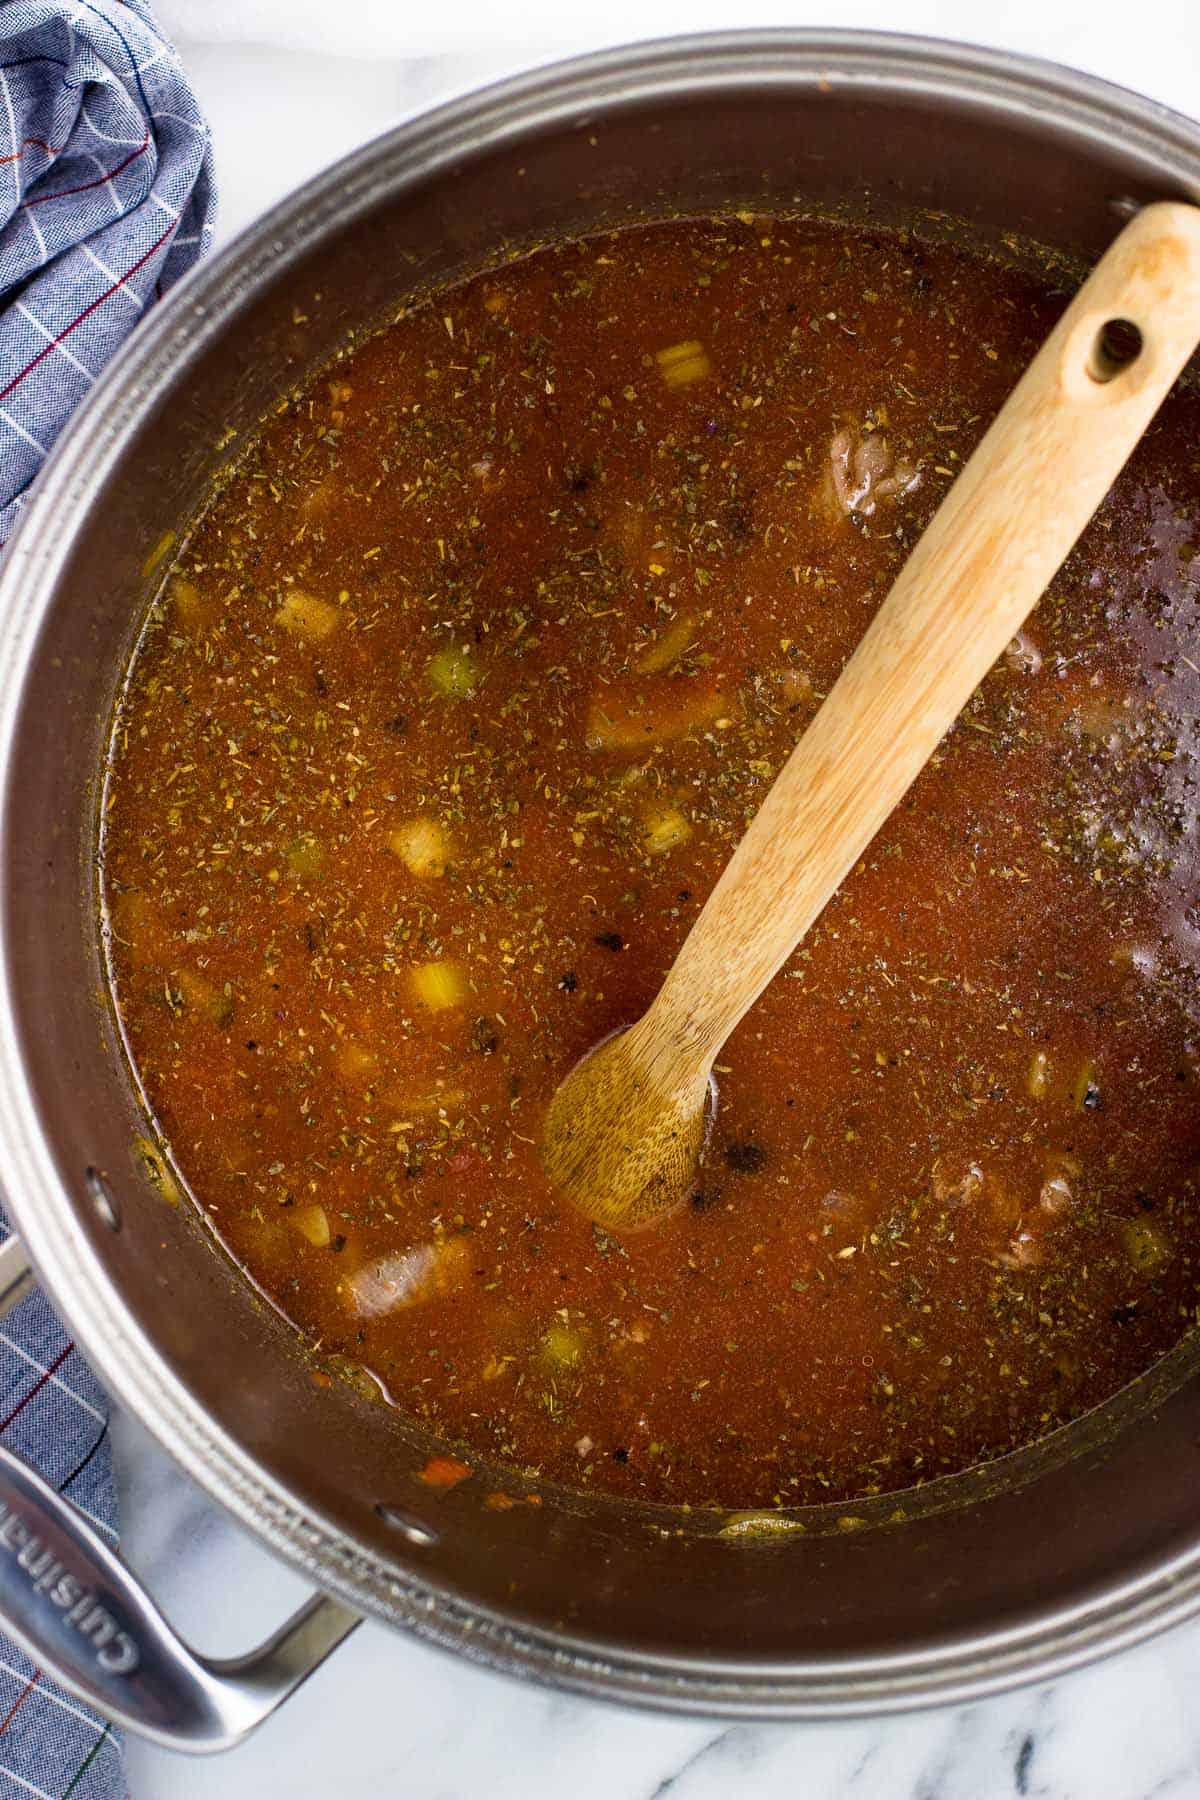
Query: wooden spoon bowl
[625, 1129]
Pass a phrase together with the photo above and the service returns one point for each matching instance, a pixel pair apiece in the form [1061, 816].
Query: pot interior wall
[773, 135]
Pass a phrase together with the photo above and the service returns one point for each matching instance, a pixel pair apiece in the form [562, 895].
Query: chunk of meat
[863, 470]
[391, 1283]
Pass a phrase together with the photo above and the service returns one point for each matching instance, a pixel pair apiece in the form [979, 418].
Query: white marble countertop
[387, 1715]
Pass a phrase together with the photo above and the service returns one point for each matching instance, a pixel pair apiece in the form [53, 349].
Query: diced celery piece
[306, 858]
[562, 1346]
[1146, 1245]
[454, 673]
[1038, 1078]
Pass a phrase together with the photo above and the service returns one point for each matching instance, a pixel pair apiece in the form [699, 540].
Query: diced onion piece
[761, 1527]
[137, 922]
[339, 393]
[956, 1183]
[1103, 718]
[1023, 656]
[633, 532]
[354, 1061]
[664, 828]
[681, 364]
[438, 985]
[321, 497]
[678, 637]
[306, 616]
[1135, 959]
[312, 1223]
[1147, 1246]
[453, 673]
[1024, 1252]
[423, 846]
[165, 543]
[1055, 1197]
[200, 996]
[191, 609]
[793, 685]
[1086, 1092]
[391, 1283]
[619, 719]
[1038, 1078]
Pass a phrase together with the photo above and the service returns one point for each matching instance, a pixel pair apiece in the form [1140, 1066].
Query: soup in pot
[449, 714]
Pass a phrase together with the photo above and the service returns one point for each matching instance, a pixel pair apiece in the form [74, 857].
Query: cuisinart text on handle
[115, 1649]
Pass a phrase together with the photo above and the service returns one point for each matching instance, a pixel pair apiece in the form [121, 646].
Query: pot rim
[940, 1672]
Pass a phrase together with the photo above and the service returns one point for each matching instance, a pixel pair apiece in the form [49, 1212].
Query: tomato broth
[449, 715]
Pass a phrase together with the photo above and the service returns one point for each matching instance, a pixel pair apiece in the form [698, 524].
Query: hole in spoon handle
[1116, 346]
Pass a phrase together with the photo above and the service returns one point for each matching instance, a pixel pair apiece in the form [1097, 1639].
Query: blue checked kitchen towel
[106, 197]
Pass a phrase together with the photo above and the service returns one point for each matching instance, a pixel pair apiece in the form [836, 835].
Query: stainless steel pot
[1086, 1543]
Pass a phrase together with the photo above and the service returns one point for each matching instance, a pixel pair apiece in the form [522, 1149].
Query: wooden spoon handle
[991, 549]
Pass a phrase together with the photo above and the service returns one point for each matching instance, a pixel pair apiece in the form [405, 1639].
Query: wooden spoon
[625, 1128]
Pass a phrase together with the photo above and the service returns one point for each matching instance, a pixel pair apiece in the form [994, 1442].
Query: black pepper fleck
[745, 1158]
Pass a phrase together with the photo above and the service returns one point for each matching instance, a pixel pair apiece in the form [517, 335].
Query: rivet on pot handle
[79, 1612]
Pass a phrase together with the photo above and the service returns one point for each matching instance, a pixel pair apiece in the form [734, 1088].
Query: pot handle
[74, 1607]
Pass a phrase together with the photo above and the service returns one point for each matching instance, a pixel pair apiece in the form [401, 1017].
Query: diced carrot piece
[444, 1472]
